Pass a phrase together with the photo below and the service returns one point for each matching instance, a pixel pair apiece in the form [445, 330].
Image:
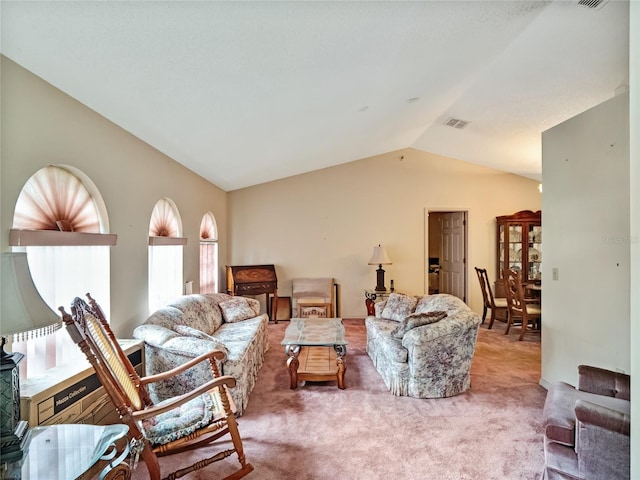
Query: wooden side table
[371, 297]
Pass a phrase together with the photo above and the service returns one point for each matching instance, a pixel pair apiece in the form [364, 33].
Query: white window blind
[165, 274]
[208, 254]
[61, 223]
[61, 273]
[165, 254]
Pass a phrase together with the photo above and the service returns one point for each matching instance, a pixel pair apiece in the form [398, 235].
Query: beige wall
[435, 230]
[42, 126]
[634, 126]
[586, 228]
[326, 223]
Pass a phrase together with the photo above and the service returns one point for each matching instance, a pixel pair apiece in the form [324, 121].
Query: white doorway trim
[425, 275]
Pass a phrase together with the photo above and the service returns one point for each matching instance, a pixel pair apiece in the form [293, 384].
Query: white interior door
[453, 262]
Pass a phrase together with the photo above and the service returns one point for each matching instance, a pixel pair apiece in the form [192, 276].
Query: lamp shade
[379, 256]
[22, 309]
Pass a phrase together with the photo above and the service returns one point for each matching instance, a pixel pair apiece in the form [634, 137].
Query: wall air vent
[456, 123]
[593, 4]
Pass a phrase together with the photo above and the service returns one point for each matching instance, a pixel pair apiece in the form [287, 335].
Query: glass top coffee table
[69, 451]
[316, 348]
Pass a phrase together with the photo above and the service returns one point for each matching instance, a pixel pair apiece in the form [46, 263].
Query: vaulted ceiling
[247, 92]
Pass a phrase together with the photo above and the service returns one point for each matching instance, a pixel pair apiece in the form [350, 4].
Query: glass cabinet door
[515, 247]
[502, 253]
[535, 253]
[519, 244]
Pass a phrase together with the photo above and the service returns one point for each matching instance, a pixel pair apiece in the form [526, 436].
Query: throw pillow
[236, 309]
[417, 320]
[187, 331]
[398, 306]
[254, 304]
[424, 304]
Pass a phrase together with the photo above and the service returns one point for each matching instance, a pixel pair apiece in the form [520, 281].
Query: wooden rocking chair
[175, 425]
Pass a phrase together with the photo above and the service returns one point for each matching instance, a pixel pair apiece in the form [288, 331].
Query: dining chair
[189, 421]
[520, 307]
[498, 306]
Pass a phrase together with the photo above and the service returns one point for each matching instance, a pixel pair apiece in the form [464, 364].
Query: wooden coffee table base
[317, 364]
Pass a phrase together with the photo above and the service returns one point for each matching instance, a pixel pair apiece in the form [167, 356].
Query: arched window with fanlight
[61, 222]
[208, 254]
[166, 246]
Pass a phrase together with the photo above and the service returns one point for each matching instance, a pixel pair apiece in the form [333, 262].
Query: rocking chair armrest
[225, 380]
[209, 356]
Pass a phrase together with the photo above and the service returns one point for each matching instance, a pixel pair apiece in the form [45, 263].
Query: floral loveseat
[423, 346]
[195, 324]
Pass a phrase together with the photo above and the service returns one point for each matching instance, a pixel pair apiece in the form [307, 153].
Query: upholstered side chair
[313, 297]
[587, 430]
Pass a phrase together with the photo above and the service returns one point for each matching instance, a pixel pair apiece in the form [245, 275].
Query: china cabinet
[519, 246]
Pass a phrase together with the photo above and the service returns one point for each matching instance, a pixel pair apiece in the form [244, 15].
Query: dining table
[534, 292]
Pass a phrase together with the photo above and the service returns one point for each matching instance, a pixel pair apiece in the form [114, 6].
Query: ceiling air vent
[594, 4]
[456, 123]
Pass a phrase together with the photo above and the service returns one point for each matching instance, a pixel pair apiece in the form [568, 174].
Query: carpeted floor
[363, 432]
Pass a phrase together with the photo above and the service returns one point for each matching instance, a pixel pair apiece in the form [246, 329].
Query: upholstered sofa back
[201, 312]
[428, 303]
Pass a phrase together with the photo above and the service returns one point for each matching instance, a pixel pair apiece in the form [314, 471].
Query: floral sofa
[195, 324]
[423, 346]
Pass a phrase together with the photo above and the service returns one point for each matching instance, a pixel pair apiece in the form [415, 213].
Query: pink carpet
[363, 432]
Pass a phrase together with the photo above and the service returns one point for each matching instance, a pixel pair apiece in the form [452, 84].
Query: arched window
[60, 220]
[165, 254]
[208, 254]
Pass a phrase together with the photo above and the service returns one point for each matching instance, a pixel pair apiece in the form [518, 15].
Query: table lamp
[22, 310]
[380, 258]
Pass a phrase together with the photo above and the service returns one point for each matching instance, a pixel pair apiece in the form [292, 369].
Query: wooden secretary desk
[254, 280]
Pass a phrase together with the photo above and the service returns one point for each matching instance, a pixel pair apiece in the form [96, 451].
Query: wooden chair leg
[535, 323]
[492, 319]
[151, 461]
[525, 324]
[484, 313]
[232, 424]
